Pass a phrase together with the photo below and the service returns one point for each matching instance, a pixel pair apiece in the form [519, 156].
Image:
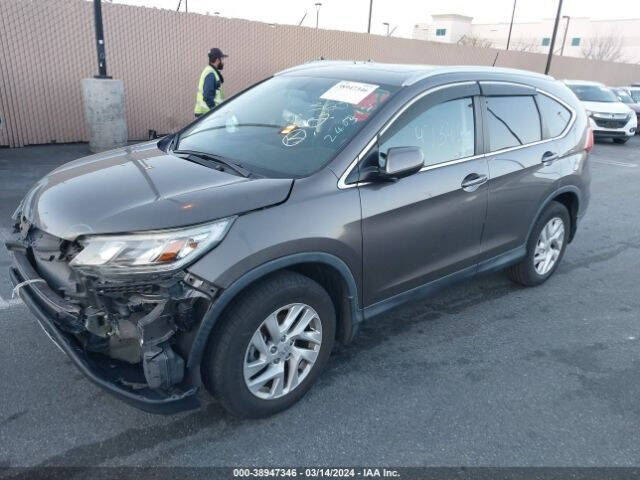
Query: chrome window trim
[342, 180]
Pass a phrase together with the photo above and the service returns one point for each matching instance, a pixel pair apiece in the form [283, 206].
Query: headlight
[154, 251]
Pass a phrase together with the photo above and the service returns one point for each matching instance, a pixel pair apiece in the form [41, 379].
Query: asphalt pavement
[484, 374]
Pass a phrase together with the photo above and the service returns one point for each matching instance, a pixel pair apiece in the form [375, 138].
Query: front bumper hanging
[49, 309]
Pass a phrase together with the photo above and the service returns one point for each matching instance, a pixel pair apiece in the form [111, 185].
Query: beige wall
[48, 46]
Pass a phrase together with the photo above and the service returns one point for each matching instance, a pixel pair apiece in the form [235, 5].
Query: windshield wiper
[239, 169]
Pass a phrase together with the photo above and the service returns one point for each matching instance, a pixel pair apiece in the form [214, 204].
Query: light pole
[387, 25]
[553, 38]
[318, 5]
[370, 10]
[513, 13]
[102, 57]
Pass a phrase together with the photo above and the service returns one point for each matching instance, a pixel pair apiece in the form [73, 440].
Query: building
[617, 40]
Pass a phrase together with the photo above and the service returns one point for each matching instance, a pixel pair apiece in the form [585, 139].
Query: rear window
[512, 121]
[554, 115]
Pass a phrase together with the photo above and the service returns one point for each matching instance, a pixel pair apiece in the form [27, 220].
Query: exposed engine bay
[143, 321]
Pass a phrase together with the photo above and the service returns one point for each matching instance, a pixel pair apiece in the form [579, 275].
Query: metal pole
[553, 38]
[318, 5]
[387, 25]
[513, 13]
[564, 38]
[102, 58]
[370, 10]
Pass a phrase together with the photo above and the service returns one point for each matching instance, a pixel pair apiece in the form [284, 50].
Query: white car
[609, 117]
[633, 92]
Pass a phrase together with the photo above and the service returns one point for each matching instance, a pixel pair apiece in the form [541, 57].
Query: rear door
[427, 225]
[522, 161]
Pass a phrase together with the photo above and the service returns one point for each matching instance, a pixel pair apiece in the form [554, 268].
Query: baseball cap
[216, 53]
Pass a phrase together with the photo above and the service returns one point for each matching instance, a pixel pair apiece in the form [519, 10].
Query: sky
[352, 15]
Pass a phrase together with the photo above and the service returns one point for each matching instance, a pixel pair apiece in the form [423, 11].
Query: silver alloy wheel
[549, 246]
[282, 351]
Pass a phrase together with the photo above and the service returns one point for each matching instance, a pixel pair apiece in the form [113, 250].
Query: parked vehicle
[610, 118]
[624, 97]
[633, 92]
[236, 251]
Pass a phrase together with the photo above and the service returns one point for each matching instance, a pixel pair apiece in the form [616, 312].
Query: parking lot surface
[485, 373]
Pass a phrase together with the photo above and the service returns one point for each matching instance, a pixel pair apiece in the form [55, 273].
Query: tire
[621, 140]
[231, 354]
[525, 272]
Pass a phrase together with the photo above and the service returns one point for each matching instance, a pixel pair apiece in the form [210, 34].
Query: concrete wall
[48, 47]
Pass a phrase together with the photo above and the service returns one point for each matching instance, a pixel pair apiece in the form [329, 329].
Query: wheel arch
[569, 196]
[329, 271]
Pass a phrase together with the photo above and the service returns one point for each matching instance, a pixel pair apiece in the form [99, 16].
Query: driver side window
[444, 131]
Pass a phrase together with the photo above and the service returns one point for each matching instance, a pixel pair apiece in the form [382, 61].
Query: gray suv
[235, 252]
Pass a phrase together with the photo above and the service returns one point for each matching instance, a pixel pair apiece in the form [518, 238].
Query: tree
[604, 47]
[525, 45]
[475, 41]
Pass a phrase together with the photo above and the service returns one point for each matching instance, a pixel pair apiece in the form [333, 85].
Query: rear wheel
[545, 247]
[271, 346]
[621, 140]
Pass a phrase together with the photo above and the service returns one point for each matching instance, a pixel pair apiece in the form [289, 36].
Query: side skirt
[423, 291]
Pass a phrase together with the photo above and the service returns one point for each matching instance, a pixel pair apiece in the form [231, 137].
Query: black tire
[524, 272]
[223, 362]
[621, 140]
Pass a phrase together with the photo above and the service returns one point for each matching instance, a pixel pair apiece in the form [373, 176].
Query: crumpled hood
[141, 188]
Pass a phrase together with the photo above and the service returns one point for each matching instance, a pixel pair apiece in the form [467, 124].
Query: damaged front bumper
[124, 381]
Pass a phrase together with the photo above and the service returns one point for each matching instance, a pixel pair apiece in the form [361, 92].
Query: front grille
[124, 289]
[610, 123]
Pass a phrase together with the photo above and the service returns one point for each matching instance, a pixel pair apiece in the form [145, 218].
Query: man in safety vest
[210, 84]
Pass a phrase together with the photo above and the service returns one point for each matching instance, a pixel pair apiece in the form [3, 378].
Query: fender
[217, 307]
[550, 197]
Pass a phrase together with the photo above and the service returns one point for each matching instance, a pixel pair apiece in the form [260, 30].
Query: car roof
[392, 73]
[583, 82]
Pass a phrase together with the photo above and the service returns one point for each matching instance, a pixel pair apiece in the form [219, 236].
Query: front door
[429, 224]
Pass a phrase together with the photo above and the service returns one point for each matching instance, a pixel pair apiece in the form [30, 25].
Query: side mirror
[400, 162]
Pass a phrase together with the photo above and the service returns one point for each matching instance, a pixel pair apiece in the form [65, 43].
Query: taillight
[589, 143]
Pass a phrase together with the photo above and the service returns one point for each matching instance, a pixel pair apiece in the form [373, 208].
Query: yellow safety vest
[201, 106]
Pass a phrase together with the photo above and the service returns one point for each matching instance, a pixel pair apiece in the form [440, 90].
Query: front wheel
[271, 346]
[545, 247]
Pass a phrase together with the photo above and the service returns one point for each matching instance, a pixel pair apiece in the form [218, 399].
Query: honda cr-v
[235, 252]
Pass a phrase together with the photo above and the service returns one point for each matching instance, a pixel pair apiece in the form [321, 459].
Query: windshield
[593, 93]
[287, 126]
[624, 97]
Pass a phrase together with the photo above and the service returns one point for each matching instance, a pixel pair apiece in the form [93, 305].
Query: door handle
[473, 180]
[549, 157]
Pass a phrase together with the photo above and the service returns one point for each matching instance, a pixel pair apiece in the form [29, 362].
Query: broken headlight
[149, 252]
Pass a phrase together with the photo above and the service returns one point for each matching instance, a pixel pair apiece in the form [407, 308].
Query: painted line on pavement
[12, 302]
[613, 162]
